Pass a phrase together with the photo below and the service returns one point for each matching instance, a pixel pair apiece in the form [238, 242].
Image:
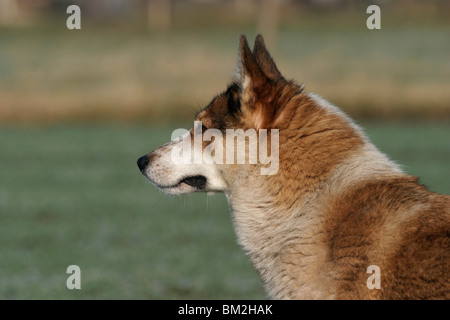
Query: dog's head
[209, 157]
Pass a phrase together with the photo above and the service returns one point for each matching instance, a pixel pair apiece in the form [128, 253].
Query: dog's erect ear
[255, 88]
[249, 75]
[264, 59]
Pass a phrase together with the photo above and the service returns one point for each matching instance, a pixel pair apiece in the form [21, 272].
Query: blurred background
[78, 107]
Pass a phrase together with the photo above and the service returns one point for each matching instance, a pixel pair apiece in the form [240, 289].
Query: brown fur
[336, 206]
[399, 226]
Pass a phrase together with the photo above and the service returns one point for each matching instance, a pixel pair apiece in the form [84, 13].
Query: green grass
[73, 195]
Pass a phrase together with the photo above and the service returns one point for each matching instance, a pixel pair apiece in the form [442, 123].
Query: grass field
[73, 195]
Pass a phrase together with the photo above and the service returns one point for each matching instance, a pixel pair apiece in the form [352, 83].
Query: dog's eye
[204, 129]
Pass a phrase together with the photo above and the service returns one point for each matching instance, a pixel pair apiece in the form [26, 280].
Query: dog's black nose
[142, 162]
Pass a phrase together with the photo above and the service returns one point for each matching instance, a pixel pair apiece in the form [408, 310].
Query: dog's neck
[270, 236]
[278, 219]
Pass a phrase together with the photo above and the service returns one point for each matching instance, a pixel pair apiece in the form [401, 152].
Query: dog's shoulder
[398, 225]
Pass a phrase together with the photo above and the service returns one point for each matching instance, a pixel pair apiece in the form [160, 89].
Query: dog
[336, 219]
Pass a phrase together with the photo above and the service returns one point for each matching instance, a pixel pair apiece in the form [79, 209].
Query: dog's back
[397, 225]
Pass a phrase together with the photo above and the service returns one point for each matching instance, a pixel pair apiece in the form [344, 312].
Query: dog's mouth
[198, 182]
